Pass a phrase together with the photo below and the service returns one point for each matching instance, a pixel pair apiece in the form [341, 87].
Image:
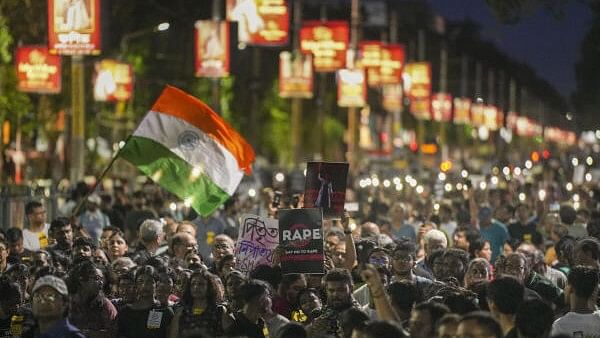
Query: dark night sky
[550, 45]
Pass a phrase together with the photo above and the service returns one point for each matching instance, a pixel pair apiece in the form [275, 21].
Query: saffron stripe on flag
[174, 174]
[177, 103]
[191, 144]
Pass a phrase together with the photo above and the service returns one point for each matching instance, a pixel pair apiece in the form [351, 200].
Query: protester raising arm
[350, 260]
[384, 308]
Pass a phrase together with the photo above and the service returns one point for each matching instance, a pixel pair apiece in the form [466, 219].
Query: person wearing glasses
[403, 264]
[223, 245]
[50, 307]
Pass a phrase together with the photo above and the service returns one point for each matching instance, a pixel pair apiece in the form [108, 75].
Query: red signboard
[211, 48]
[418, 83]
[462, 110]
[528, 127]
[37, 70]
[490, 117]
[392, 62]
[295, 75]
[352, 88]
[511, 120]
[370, 54]
[500, 118]
[74, 27]
[441, 107]
[113, 81]
[560, 136]
[477, 114]
[370, 60]
[260, 22]
[327, 41]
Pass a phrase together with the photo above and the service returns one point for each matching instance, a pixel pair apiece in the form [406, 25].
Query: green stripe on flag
[174, 174]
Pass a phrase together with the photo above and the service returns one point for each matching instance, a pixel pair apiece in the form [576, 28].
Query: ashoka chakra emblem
[188, 140]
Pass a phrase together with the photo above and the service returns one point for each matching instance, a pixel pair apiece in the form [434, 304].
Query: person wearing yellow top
[35, 236]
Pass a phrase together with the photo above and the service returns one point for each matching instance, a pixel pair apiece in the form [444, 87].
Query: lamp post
[352, 155]
[124, 46]
[161, 27]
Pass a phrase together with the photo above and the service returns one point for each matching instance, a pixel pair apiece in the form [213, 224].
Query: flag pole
[98, 179]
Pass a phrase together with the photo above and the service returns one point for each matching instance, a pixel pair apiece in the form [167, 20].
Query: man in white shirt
[582, 320]
[35, 236]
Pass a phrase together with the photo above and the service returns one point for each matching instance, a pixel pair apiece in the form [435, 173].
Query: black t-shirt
[26, 257]
[16, 324]
[148, 323]
[242, 326]
[526, 234]
[207, 321]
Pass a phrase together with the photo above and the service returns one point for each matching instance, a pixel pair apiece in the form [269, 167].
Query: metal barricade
[13, 199]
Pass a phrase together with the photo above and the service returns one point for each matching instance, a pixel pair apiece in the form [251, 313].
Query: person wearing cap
[93, 219]
[50, 307]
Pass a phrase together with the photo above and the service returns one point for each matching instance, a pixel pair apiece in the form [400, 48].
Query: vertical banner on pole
[327, 41]
[37, 70]
[477, 114]
[295, 75]
[392, 64]
[113, 81]
[260, 22]
[352, 88]
[490, 117]
[441, 107]
[74, 27]
[211, 52]
[462, 110]
[418, 76]
[370, 60]
[392, 98]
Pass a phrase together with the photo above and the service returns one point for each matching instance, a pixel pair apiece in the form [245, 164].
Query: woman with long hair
[202, 311]
[233, 281]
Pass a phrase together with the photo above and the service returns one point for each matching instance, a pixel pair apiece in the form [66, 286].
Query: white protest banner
[257, 240]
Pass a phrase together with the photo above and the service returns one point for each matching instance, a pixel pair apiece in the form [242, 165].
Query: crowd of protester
[481, 264]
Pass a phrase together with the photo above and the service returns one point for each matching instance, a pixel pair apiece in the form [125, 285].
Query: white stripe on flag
[193, 146]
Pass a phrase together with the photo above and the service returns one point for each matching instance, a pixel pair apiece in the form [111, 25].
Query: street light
[161, 27]
[569, 116]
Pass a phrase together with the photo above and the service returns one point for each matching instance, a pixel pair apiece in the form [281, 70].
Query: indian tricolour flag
[189, 150]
